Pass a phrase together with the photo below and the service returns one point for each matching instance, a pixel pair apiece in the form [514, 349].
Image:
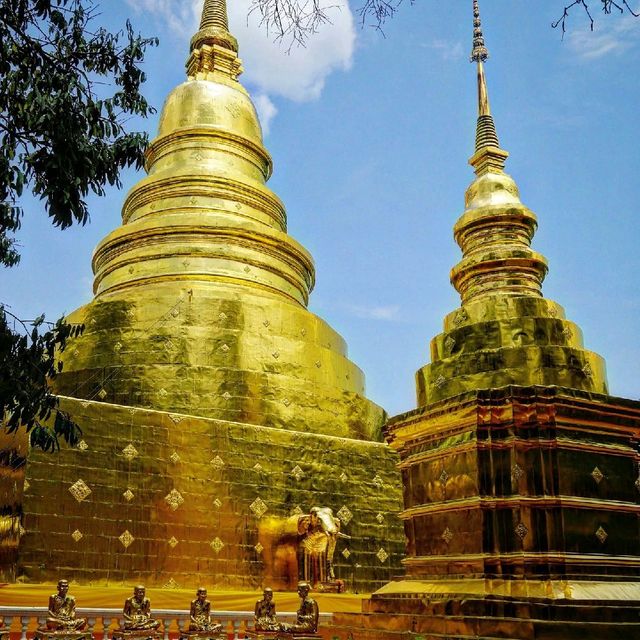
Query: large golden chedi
[200, 296]
[214, 406]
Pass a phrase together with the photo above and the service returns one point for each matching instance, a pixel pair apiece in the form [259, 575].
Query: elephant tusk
[343, 535]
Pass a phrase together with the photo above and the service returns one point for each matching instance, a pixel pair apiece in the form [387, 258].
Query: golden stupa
[520, 472]
[214, 405]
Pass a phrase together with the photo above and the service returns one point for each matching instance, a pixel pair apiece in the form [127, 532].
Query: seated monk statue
[264, 615]
[307, 614]
[62, 611]
[137, 612]
[200, 614]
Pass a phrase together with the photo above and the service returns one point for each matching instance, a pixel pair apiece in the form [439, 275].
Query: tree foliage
[67, 87]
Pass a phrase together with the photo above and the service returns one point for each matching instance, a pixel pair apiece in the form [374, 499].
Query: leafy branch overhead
[62, 135]
[67, 88]
[29, 362]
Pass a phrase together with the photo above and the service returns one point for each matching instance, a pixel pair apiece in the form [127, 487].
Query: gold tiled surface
[204, 502]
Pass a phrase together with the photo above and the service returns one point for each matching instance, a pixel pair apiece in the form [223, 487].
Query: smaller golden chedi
[62, 615]
[200, 624]
[137, 617]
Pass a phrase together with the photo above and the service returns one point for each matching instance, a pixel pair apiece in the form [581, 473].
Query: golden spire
[213, 48]
[505, 332]
[488, 153]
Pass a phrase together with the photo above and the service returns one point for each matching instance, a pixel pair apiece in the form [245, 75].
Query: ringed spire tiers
[201, 295]
[505, 332]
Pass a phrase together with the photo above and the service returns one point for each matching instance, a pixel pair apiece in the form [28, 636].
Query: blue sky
[370, 137]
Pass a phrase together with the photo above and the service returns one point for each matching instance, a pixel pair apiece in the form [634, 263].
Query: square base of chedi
[522, 510]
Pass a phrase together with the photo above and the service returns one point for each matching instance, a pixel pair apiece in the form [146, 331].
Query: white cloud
[611, 35]
[448, 50]
[266, 110]
[374, 313]
[270, 69]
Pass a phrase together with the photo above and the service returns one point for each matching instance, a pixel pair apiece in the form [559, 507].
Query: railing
[23, 621]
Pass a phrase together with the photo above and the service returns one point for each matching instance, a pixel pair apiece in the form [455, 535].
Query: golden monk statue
[62, 611]
[200, 614]
[307, 614]
[264, 615]
[137, 612]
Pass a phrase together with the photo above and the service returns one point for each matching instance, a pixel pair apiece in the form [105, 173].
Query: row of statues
[138, 621]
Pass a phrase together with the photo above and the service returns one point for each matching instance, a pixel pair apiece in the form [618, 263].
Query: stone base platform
[490, 619]
[252, 634]
[334, 586]
[203, 635]
[143, 634]
[60, 635]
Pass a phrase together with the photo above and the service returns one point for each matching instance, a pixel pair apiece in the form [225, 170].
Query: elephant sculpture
[300, 547]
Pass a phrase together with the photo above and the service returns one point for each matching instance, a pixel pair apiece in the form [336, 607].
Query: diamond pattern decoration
[587, 370]
[217, 503]
[522, 531]
[444, 476]
[102, 394]
[257, 467]
[286, 402]
[377, 480]
[225, 347]
[171, 584]
[126, 539]
[258, 507]
[117, 347]
[130, 452]
[597, 475]
[447, 535]
[222, 316]
[174, 458]
[128, 495]
[517, 472]
[162, 393]
[77, 535]
[440, 381]
[82, 445]
[175, 418]
[217, 545]
[259, 548]
[567, 333]
[266, 323]
[461, 317]
[247, 269]
[26, 485]
[79, 490]
[217, 463]
[172, 542]
[226, 395]
[344, 514]
[382, 555]
[21, 531]
[174, 499]
[318, 363]
[297, 473]
[602, 535]
[346, 554]
[344, 477]
[449, 343]
[380, 518]
[276, 354]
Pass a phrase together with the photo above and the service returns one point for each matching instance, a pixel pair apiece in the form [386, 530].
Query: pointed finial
[213, 48]
[488, 154]
[214, 14]
[479, 52]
